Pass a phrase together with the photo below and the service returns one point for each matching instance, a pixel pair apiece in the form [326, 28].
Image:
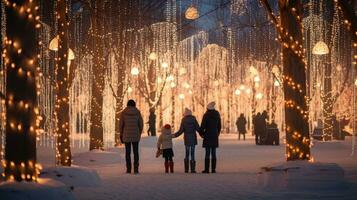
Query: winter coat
[211, 128]
[165, 139]
[130, 124]
[189, 126]
[241, 122]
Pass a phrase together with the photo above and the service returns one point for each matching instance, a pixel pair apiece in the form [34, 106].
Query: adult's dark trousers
[135, 146]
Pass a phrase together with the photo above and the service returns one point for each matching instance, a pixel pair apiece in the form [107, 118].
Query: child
[165, 144]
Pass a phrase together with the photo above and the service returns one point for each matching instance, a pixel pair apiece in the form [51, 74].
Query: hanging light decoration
[320, 48]
[276, 83]
[181, 96]
[259, 96]
[237, 92]
[153, 56]
[164, 65]
[134, 71]
[192, 13]
[54, 44]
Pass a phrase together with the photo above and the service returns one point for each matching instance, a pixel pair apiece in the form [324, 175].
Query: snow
[44, 189]
[73, 176]
[333, 175]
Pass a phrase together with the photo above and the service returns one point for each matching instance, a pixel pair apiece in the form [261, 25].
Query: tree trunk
[96, 115]
[327, 102]
[294, 74]
[21, 76]
[63, 154]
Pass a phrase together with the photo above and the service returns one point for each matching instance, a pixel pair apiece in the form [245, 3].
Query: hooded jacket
[165, 139]
[130, 124]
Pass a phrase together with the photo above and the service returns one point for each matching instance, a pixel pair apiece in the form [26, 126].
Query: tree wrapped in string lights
[22, 72]
[63, 151]
[290, 31]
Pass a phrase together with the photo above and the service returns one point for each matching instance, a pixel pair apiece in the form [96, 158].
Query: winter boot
[193, 166]
[186, 165]
[166, 167]
[171, 164]
[136, 168]
[206, 171]
[128, 168]
[214, 165]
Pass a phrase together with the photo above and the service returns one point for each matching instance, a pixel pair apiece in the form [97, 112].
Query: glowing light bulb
[256, 79]
[237, 92]
[181, 96]
[276, 83]
[134, 71]
[259, 96]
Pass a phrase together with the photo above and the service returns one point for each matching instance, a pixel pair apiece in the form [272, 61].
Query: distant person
[164, 143]
[241, 126]
[263, 122]
[210, 128]
[256, 130]
[130, 128]
[152, 123]
[189, 126]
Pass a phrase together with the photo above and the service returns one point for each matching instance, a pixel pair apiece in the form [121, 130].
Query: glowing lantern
[130, 89]
[54, 44]
[164, 65]
[259, 96]
[134, 71]
[153, 56]
[170, 78]
[182, 71]
[320, 48]
[192, 13]
[237, 92]
[276, 83]
[181, 96]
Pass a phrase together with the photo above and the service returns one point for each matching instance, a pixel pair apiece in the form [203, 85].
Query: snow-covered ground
[239, 173]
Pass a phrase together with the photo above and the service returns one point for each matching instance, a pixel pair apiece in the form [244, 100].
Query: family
[131, 127]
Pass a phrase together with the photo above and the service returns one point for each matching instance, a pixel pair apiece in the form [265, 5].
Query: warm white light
[276, 83]
[182, 71]
[256, 79]
[54, 44]
[248, 91]
[186, 85]
[216, 83]
[356, 82]
[190, 92]
[259, 96]
[192, 13]
[170, 78]
[130, 89]
[320, 48]
[70, 54]
[242, 87]
[153, 56]
[159, 80]
[252, 70]
[134, 71]
[181, 96]
[237, 92]
[339, 67]
[164, 65]
[173, 84]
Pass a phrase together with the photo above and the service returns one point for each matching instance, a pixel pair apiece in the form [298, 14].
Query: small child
[165, 144]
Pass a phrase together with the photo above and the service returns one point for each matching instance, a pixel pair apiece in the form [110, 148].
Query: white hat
[211, 105]
[187, 112]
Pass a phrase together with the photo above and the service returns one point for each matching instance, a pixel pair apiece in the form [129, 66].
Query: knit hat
[167, 126]
[187, 112]
[211, 105]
